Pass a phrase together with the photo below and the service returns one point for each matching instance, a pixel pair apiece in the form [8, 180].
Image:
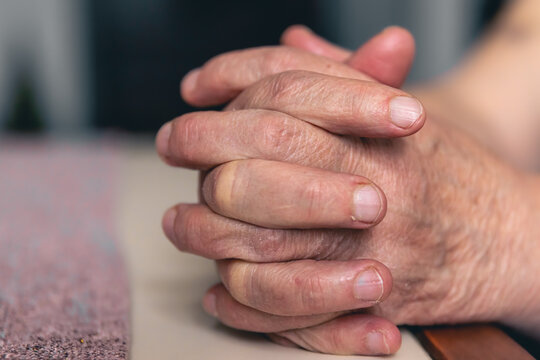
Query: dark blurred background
[81, 65]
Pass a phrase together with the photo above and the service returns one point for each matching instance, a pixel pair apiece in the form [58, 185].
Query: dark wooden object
[482, 341]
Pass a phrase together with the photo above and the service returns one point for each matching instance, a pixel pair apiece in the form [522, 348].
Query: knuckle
[186, 128]
[336, 340]
[312, 196]
[219, 70]
[284, 86]
[238, 278]
[250, 283]
[188, 230]
[222, 186]
[281, 135]
[310, 289]
[201, 234]
[335, 244]
[359, 101]
[261, 61]
[279, 59]
[262, 289]
[268, 245]
[368, 101]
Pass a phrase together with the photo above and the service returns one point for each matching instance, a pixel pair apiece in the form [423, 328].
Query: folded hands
[336, 208]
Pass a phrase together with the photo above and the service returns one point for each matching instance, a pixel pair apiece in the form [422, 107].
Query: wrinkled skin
[448, 242]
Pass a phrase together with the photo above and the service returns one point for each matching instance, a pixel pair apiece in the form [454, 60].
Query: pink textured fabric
[63, 289]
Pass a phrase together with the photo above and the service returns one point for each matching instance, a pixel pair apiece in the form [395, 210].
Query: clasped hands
[335, 211]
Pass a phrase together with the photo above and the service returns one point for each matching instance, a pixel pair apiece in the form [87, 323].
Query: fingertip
[188, 86]
[291, 33]
[387, 57]
[167, 223]
[210, 301]
[373, 282]
[392, 338]
[407, 114]
[162, 140]
[383, 342]
[357, 334]
[369, 205]
[388, 281]
[385, 277]
[391, 42]
[381, 337]
[396, 42]
[398, 36]
[368, 285]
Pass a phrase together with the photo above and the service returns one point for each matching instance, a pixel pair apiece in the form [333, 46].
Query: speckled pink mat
[63, 288]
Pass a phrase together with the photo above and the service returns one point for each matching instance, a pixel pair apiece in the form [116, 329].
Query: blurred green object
[25, 117]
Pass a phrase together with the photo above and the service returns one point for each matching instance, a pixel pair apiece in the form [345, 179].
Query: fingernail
[168, 223]
[368, 285]
[367, 204]
[376, 343]
[190, 81]
[405, 111]
[209, 304]
[162, 139]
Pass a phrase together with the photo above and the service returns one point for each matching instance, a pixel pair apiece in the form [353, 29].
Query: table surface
[166, 286]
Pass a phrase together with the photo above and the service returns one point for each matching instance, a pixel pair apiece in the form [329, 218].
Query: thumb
[387, 57]
[301, 37]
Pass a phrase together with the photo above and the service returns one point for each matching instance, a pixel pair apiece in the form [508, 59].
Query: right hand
[441, 187]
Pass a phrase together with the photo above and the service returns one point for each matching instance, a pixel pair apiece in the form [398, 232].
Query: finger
[220, 304]
[358, 334]
[387, 57]
[301, 37]
[253, 191]
[196, 229]
[339, 105]
[203, 140]
[306, 287]
[225, 76]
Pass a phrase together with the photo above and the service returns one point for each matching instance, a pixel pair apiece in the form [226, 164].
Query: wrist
[522, 310]
[490, 228]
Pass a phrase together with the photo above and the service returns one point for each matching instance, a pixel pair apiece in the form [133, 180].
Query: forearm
[513, 138]
[532, 326]
[493, 94]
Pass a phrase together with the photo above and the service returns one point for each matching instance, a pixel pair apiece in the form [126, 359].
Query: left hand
[382, 60]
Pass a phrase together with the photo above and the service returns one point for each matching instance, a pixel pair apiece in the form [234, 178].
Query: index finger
[387, 57]
[302, 37]
[340, 105]
[220, 80]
